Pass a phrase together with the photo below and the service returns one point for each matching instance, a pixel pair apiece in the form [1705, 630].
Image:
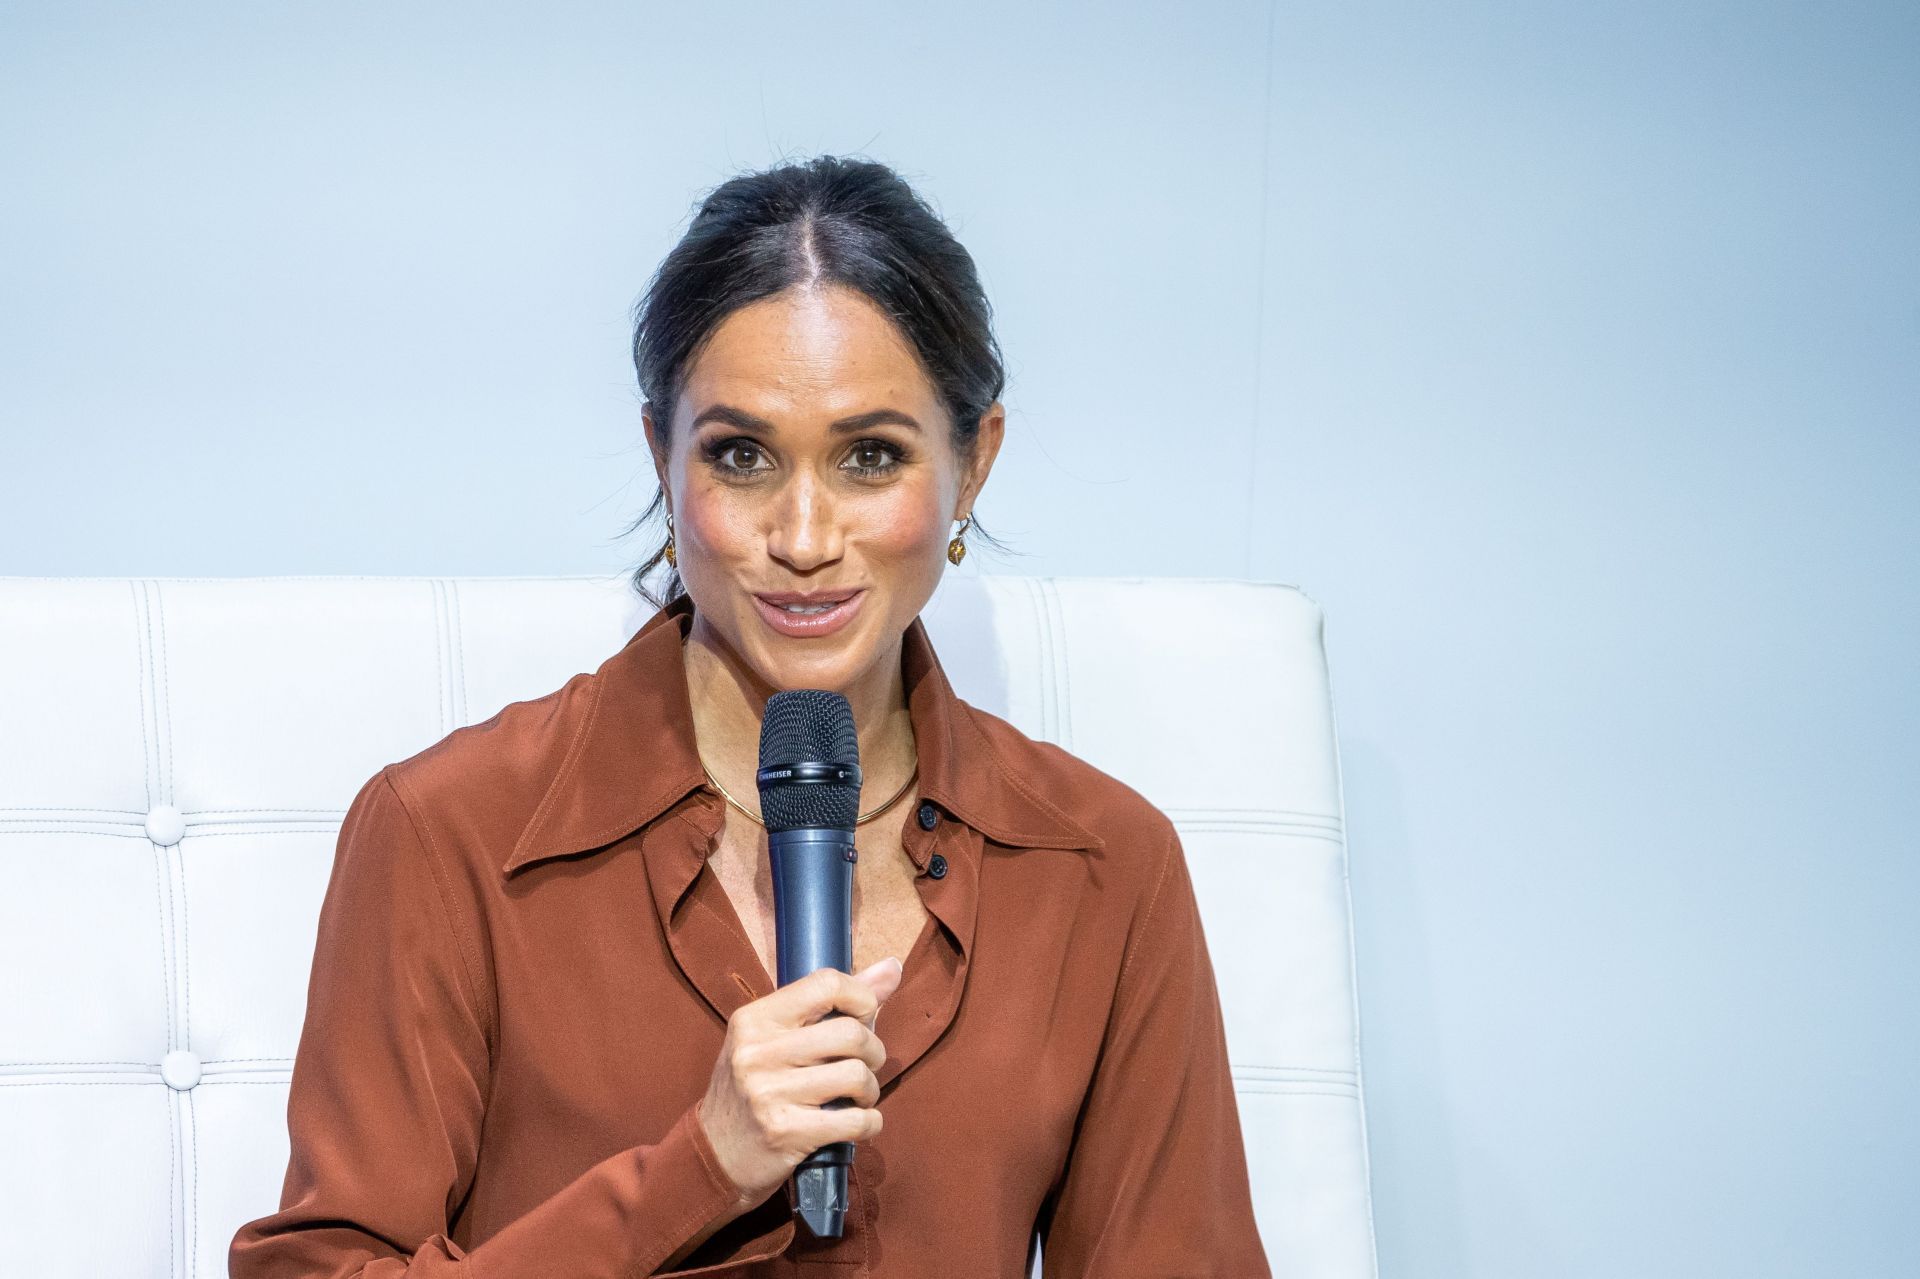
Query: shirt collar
[633, 755]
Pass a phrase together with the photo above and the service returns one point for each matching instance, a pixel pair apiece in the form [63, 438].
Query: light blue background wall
[1566, 353]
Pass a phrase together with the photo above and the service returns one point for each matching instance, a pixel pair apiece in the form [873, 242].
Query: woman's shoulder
[516, 742]
[478, 787]
[1123, 819]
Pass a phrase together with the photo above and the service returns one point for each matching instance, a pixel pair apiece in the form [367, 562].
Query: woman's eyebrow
[742, 420]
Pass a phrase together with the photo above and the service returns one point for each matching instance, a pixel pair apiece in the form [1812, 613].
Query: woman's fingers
[826, 991]
[827, 1040]
[830, 1081]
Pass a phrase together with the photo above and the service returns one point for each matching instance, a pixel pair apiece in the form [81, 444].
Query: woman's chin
[836, 664]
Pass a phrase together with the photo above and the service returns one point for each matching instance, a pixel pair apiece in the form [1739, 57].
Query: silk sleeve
[1156, 1181]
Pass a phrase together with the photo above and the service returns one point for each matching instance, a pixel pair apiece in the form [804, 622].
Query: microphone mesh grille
[806, 725]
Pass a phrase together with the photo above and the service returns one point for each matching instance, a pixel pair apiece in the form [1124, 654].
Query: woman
[541, 1034]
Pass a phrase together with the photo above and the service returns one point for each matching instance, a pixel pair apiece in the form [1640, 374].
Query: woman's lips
[810, 625]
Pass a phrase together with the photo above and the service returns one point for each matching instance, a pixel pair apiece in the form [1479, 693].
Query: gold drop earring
[957, 548]
[672, 560]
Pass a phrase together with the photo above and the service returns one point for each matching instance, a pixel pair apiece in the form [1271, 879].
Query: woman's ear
[649, 427]
[656, 443]
[986, 447]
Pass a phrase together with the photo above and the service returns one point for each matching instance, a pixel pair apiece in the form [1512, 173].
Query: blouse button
[929, 815]
[937, 867]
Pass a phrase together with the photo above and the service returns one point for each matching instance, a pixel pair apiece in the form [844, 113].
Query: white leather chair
[176, 755]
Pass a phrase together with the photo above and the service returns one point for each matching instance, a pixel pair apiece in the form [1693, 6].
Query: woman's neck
[729, 702]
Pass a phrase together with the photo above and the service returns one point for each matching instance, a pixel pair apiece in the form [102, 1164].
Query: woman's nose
[805, 532]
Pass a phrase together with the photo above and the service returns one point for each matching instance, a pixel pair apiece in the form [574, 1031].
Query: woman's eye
[725, 455]
[875, 457]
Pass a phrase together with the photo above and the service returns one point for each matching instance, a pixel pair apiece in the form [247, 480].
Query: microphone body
[809, 781]
[813, 925]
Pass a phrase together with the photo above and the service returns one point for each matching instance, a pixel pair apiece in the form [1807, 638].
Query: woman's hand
[785, 1056]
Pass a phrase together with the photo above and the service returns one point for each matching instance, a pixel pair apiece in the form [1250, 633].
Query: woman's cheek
[722, 526]
[909, 526]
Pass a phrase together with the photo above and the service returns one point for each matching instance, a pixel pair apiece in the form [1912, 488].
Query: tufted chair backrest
[176, 755]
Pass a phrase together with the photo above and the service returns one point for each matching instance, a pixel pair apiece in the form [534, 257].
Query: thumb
[883, 977]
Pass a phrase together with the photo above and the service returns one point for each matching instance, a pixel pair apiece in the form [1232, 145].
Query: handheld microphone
[809, 780]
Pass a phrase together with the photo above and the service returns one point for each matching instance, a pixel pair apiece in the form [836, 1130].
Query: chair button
[181, 1069]
[937, 867]
[929, 815]
[165, 825]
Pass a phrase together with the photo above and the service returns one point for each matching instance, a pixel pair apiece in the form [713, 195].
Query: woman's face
[810, 453]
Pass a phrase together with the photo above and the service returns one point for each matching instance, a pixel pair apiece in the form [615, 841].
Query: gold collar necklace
[857, 821]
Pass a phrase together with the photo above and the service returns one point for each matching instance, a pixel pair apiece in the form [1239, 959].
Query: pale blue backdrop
[1567, 353]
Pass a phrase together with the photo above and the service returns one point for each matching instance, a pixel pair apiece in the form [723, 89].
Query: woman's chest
[613, 1016]
[889, 915]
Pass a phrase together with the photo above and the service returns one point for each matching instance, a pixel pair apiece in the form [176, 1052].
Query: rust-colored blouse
[524, 969]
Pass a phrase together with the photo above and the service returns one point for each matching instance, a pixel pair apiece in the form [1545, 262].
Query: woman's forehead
[807, 360]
